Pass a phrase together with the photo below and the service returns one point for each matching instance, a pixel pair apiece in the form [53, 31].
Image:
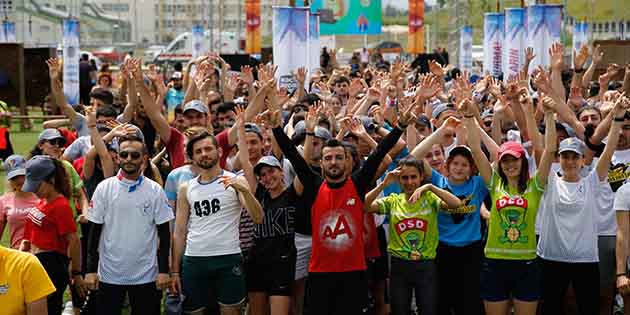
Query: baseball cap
[196, 105]
[299, 130]
[460, 150]
[423, 121]
[368, 123]
[177, 75]
[267, 160]
[322, 133]
[441, 108]
[512, 148]
[15, 165]
[50, 134]
[251, 127]
[487, 113]
[572, 144]
[38, 169]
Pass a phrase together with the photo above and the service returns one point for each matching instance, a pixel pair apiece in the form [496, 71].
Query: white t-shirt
[213, 224]
[569, 219]
[622, 198]
[129, 243]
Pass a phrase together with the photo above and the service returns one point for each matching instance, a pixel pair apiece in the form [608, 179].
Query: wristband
[174, 273]
[76, 273]
[621, 274]
[622, 119]
[578, 70]
[310, 134]
[469, 116]
[91, 126]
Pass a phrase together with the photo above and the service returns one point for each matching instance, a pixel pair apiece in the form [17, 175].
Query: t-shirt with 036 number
[215, 213]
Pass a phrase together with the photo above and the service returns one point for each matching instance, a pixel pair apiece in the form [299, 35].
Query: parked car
[386, 47]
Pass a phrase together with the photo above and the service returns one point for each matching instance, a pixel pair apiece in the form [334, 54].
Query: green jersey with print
[413, 231]
[511, 233]
[76, 184]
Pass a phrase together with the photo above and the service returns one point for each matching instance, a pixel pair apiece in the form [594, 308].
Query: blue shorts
[505, 279]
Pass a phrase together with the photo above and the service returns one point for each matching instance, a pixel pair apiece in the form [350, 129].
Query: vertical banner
[544, 23]
[465, 48]
[290, 41]
[313, 42]
[415, 44]
[8, 32]
[197, 41]
[71, 61]
[513, 53]
[493, 36]
[580, 35]
[252, 27]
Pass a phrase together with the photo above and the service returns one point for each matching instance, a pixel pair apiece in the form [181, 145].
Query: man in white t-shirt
[622, 207]
[131, 213]
[206, 228]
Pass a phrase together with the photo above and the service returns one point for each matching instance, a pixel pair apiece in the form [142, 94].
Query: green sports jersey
[511, 232]
[413, 230]
[76, 184]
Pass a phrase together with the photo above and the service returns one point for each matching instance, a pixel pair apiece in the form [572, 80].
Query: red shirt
[338, 227]
[48, 223]
[370, 237]
[176, 148]
[224, 144]
[69, 135]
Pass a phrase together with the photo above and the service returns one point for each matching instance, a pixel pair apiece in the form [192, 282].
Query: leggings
[419, 277]
[56, 266]
[458, 272]
[585, 280]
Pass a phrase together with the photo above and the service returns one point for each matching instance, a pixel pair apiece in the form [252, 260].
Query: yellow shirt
[22, 280]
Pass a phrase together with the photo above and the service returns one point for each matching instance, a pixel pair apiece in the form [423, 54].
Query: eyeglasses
[487, 123]
[298, 109]
[133, 154]
[57, 141]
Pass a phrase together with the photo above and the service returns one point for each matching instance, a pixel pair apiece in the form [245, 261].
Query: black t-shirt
[84, 74]
[275, 236]
[91, 183]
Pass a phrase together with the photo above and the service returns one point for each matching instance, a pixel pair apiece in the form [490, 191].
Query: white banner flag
[197, 41]
[465, 48]
[71, 55]
[493, 37]
[8, 32]
[580, 35]
[513, 53]
[290, 43]
[544, 23]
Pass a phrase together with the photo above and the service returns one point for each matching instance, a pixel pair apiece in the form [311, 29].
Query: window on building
[613, 26]
[115, 7]
[606, 27]
[60, 7]
[7, 6]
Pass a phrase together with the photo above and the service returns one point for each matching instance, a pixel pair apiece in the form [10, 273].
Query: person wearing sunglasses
[129, 216]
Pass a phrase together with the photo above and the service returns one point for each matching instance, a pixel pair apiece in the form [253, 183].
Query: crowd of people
[369, 189]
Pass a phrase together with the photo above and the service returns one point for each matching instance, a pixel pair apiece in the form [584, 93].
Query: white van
[180, 49]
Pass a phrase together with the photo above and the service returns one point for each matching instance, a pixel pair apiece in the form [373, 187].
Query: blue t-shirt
[461, 226]
[175, 178]
[173, 98]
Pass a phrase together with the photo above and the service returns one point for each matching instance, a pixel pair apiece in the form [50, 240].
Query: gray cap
[38, 169]
[299, 128]
[440, 108]
[423, 121]
[487, 113]
[196, 105]
[572, 144]
[251, 127]
[15, 165]
[267, 160]
[49, 134]
[322, 133]
[368, 123]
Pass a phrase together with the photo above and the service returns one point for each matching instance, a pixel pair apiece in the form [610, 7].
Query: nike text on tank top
[338, 230]
[215, 213]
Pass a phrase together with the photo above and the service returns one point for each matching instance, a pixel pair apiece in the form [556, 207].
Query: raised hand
[549, 105]
[310, 122]
[54, 68]
[598, 55]
[239, 183]
[428, 88]
[542, 82]
[621, 105]
[555, 52]
[529, 55]
[436, 69]
[300, 75]
[494, 87]
[466, 108]
[393, 176]
[418, 193]
[247, 75]
[355, 88]
[579, 57]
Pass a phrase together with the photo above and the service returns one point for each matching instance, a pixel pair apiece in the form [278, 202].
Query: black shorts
[378, 268]
[337, 292]
[273, 276]
[503, 279]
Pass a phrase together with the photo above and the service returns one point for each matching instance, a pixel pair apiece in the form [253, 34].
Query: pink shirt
[14, 211]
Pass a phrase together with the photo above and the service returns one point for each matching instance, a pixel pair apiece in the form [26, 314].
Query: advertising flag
[465, 48]
[197, 41]
[339, 17]
[8, 32]
[416, 27]
[313, 43]
[290, 42]
[71, 55]
[513, 53]
[544, 23]
[252, 29]
[493, 36]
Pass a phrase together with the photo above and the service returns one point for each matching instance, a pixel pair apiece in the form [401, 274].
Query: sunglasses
[133, 154]
[298, 109]
[487, 123]
[57, 141]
